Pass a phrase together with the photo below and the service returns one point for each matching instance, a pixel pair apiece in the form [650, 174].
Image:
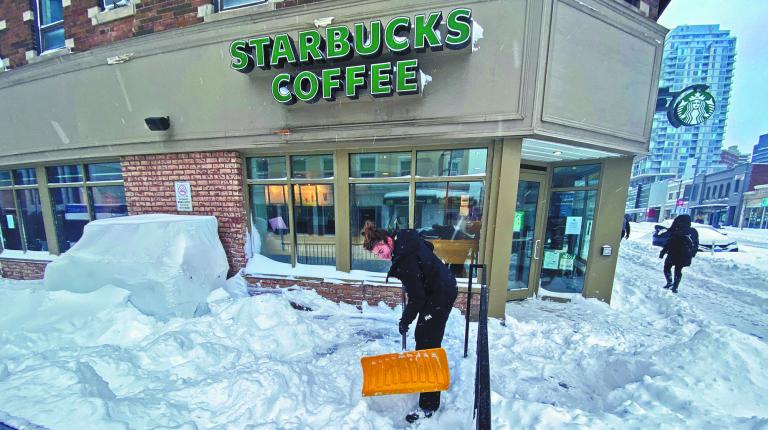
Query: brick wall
[216, 179]
[356, 294]
[86, 35]
[158, 15]
[17, 38]
[22, 269]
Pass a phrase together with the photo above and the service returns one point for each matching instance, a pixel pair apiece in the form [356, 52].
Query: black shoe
[418, 414]
[674, 290]
[668, 286]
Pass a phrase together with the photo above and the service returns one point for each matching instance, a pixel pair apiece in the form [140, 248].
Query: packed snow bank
[169, 263]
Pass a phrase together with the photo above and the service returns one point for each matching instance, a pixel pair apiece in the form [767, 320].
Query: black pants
[668, 273]
[430, 328]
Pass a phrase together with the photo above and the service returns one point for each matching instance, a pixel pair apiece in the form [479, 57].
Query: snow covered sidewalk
[651, 360]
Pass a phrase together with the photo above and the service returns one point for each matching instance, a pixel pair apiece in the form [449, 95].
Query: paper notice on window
[9, 220]
[566, 262]
[573, 225]
[551, 260]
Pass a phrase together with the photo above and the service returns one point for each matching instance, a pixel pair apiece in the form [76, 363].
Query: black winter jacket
[424, 276]
[682, 238]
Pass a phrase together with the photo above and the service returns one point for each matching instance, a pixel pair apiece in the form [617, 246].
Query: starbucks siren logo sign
[691, 107]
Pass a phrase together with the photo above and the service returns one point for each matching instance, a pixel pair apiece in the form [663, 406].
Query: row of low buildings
[732, 197]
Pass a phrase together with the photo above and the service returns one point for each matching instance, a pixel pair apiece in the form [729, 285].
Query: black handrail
[482, 401]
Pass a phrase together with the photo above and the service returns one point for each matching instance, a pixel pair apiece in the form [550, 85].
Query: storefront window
[25, 176]
[108, 201]
[70, 214]
[576, 176]
[312, 166]
[315, 223]
[64, 174]
[5, 178]
[9, 222]
[566, 247]
[267, 168]
[32, 219]
[385, 204]
[269, 218]
[454, 162]
[102, 172]
[449, 214]
[386, 165]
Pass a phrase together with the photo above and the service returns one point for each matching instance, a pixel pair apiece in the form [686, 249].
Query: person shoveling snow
[431, 290]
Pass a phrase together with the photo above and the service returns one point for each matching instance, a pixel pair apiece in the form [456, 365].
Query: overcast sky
[748, 21]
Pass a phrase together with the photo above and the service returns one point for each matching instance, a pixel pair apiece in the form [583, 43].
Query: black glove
[402, 327]
[661, 254]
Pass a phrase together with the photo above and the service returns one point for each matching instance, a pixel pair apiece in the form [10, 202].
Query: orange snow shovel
[406, 372]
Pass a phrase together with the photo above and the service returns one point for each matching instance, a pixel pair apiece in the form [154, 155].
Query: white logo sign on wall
[183, 196]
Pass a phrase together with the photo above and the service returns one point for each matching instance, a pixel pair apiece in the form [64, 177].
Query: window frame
[289, 181]
[43, 187]
[220, 5]
[40, 29]
[342, 181]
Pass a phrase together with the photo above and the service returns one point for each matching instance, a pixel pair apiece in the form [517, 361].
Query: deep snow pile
[652, 359]
[169, 263]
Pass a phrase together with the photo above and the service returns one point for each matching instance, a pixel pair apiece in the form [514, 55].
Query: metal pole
[402, 292]
[468, 309]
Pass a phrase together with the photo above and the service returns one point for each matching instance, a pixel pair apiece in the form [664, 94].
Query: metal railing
[482, 403]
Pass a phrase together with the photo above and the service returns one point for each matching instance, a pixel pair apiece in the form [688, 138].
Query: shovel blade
[406, 372]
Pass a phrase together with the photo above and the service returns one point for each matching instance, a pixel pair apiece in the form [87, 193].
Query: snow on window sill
[261, 266]
[12, 254]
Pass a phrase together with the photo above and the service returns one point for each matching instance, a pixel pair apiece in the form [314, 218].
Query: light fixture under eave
[282, 132]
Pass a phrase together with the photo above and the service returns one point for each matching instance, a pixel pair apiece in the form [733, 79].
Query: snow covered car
[710, 238]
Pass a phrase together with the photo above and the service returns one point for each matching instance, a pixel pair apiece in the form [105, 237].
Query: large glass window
[315, 224]
[10, 225]
[453, 162]
[386, 205]
[576, 176]
[267, 168]
[269, 221]
[97, 196]
[108, 201]
[449, 214]
[569, 228]
[383, 165]
[70, 215]
[311, 234]
[101, 172]
[31, 211]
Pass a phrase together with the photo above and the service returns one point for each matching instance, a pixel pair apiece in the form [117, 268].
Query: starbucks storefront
[503, 131]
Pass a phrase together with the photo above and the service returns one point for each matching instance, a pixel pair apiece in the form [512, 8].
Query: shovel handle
[402, 293]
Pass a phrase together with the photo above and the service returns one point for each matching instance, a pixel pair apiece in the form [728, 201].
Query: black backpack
[690, 243]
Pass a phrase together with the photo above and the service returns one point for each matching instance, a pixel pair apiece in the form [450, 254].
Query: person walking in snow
[625, 228]
[430, 287]
[681, 247]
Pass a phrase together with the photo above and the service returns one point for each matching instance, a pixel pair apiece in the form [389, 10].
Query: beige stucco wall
[574, 71]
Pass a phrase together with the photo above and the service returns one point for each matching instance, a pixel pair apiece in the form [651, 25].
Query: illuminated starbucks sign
[339, 44]
[692, 106]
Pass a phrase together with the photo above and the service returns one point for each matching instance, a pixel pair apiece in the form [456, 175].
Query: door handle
[536, 250]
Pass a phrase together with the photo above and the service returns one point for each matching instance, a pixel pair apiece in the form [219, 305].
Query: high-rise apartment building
[760, 151]
[693, 54]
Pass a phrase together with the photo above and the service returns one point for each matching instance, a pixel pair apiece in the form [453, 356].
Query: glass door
[524, 261]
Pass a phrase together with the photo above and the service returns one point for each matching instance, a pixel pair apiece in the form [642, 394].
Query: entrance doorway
[527, 235]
